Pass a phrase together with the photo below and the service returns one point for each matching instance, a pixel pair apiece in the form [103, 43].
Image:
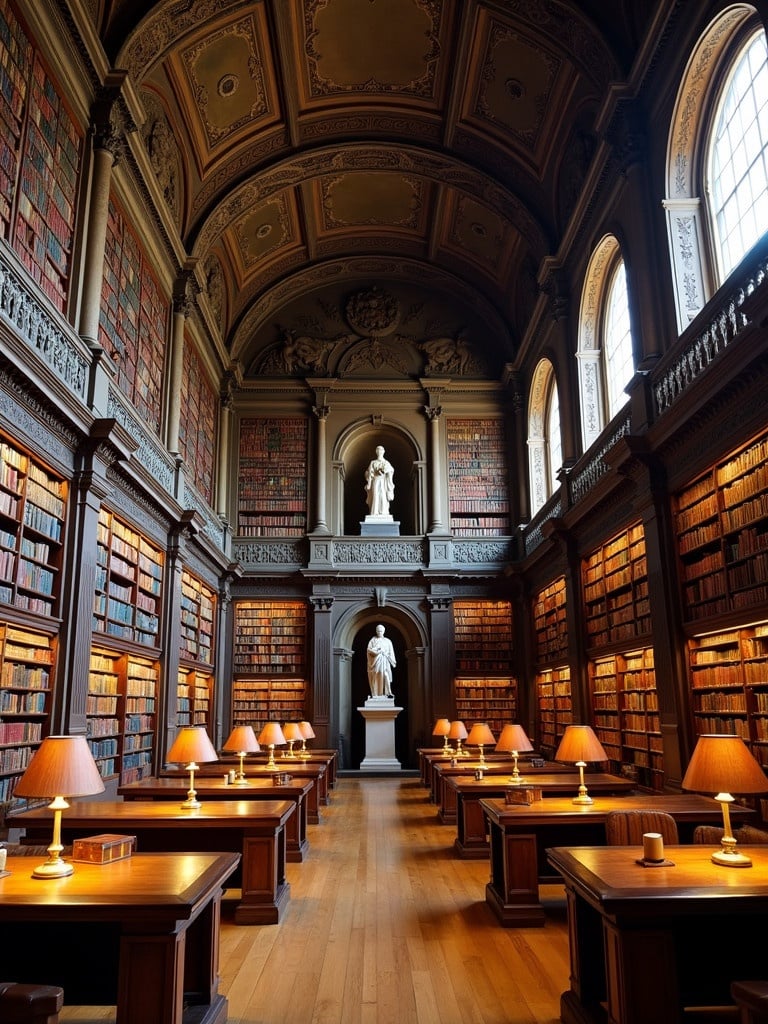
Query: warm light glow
[722, 765]
[62, 766]
[271, 736]
[243, 740]
[458, 732]
[578, 746]
[481, 736]
[307, 733]
[514, 739]
[442, 728]
[191, 745]
[292, 732]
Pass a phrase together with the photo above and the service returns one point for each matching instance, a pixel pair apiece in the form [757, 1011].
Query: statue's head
[379, 450]
[379, 630]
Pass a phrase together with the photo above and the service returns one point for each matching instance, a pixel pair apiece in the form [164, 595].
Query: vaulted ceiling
[388, 169]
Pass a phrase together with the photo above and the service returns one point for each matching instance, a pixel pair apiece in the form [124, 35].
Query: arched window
[717, 162]
[544, 442]
[605, 354]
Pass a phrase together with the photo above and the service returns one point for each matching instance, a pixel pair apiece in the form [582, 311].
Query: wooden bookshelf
[483, 637]
[198, 422]
[142, 685]
[493, 701]
[258, 701]
[129, 578]
[721, 523]
[272, 477]
[16, 60]
[32, 515]
[194, 697]
[270, 638]
[198, 613]
[27, 659]
[103, 721]
[625, 712]
[615, 590]
[555, 706]
[478, 477]
[549, 623]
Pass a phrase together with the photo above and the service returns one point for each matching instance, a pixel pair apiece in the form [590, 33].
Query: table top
[561, 809]
[168, 885]
[205, 786]
[562, 780]
[252, 769]
[469, 765]
[611, 879]
[148, 813]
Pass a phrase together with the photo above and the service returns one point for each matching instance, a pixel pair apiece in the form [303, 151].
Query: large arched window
[605, 354]
[717, 161]
[544, 442]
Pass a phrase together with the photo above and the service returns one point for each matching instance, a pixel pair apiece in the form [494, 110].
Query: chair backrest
[710, 835]
[626, 828]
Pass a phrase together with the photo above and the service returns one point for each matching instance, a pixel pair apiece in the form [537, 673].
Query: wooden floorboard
[386, 926]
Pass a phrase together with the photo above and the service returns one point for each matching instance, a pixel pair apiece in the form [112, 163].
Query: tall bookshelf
[549, 623]
[194, 690]
[478, 477]
[272, 477]
[615, 590]
[27, 659]
[552, 682]
[625, 713]
[129, 577]
[553, 698]
[194, 697]
[721, 523]
[485, 687]
[32, 513]
[270, 643]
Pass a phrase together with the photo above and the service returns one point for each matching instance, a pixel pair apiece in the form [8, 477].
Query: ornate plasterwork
[149, 453]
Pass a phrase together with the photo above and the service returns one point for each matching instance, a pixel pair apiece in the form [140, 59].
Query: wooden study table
[296, 841]
[471, 757]
[520, 836]
[645, 942]
[442, 771]
[257, 831]
[317, 772]
[140, 933]
[329, 758]
[464, 793]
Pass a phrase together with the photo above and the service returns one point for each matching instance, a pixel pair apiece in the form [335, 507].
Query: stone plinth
[380, 714]
[379, 526]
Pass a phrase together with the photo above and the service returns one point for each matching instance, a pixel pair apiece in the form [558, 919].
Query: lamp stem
[191, 802]
[55, 867]
[271, 766]
[241, 779]
[728, 855]
[303, 752]
[482, 755]
[515, 780]
[582, 798]
[290, 749]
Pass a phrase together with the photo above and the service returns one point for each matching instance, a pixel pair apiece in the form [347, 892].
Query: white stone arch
[538, 402]
[693, 268]
[589, 352]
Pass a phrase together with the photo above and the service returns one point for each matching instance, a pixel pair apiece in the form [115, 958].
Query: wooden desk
[442, 771]
[469, 760]
[140, 933]
[520, 835]
[234, 825]
[296, 841]
[648, 941]
[464, 792]
[329, 758]
[297, 769]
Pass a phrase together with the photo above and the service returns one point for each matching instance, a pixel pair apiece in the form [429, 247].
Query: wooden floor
[386, 926]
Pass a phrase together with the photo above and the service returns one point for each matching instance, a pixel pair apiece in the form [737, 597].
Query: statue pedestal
[380, 714]
[379, 526]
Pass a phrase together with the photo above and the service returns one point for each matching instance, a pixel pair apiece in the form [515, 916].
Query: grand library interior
[510, 255]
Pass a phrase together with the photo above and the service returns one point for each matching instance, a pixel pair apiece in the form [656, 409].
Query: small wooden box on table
[141, 933]
[296, 841]
[646, 942]
[256, 830]
[520, 836]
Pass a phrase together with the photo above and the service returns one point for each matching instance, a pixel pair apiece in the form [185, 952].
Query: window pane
[553, 439]
[619, 363]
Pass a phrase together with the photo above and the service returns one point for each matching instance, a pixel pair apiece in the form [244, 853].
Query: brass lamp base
[731, 859]
[54, 868]
[191, 804]
[582, 798]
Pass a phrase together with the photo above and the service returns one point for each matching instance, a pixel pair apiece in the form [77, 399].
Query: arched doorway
[360, 692]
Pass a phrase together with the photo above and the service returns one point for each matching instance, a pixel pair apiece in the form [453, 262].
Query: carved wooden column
[186, 529]
[322, 605]
[442, 643]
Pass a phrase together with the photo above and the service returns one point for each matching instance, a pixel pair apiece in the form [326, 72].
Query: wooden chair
[626, 828]
[30, 1004]
[710, 835]
[751, 997]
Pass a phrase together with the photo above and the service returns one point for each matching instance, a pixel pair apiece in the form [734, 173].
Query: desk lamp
[721, 765]
[579, 745]
[271, 736]
[458, 732]
[243, 740]
[61, 767]
[442, 728]
[190, 746]
[292, 732]
[514, 740]
[481, 736]
[307, 733]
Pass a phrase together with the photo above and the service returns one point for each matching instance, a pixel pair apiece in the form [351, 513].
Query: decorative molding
[149, 453]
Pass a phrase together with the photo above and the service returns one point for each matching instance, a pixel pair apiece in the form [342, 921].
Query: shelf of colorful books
[194, 697]
[270, 638]
[555, 706]
[32, 513]
[27, 659]
[493, 701]
[103, 710]
[198, 609]
[258, 701]
[483, 637]
[615, 590]
[549, 623]
[272, 477]
[478, 477]
[129, 579]
[141, 695]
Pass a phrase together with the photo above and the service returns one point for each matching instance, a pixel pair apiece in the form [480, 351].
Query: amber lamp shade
[307, 733]
[272, 736]
[243, 740]
[514, 739]
[458, 732]
[61, 767]
[442, 728]
[481, 736]
[722, 765]
[578, 746]
[191, 745]
[292, 732]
